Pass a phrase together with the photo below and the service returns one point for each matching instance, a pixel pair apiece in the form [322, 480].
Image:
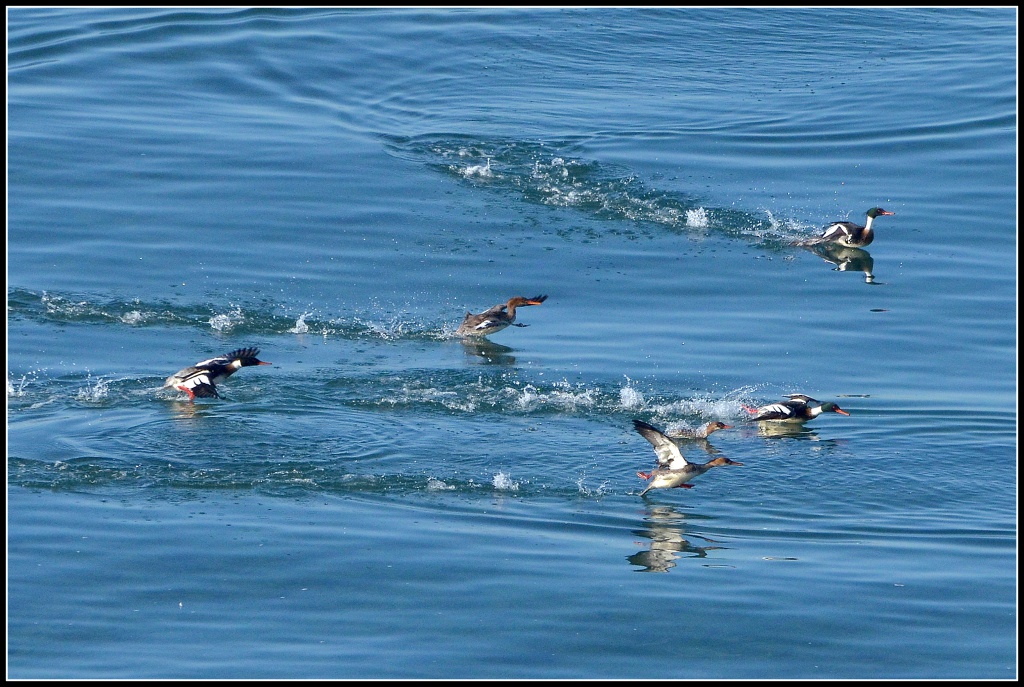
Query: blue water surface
[338, 187]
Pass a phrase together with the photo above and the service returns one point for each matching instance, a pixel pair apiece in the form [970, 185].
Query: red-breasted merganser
[798, 410]
[201, 379]
[698, 437]
[849, 234]
[700, 433]
[496, 318]
[673, 470]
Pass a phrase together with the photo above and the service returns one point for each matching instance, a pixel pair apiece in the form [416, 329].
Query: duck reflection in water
[664, 529]
[491, 353]
[773, 430]
[846, 259]
[782, 429]
[188, 411]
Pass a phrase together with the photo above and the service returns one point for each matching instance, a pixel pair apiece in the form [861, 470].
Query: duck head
[518, 301]
[246, 357]
[830, 407]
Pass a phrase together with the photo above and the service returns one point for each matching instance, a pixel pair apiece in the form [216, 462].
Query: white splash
[546, 171]
[226, 321]
[300, 324]
[62, 306]
[775, 224]
[388, 331]
[483, 171]
[434, 484]
[669, 216]
[527, 397]
[18, 390]
[93, 393]
[697, 218]
[630, 398]
[133, 317]
[700, 409]
[563, 396]
[568, 399]
[599, 490]
[786, 229]
[448, 399]
[503, 482]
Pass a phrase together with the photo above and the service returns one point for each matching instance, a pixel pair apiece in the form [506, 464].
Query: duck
[797, 410]
[673, 470]
[200, 380]
[699, 433]
[496, 318]
[698, 437]
[849, 234]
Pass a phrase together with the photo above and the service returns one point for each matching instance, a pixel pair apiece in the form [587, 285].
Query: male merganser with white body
[496, 318]
[673, 470]
[201, 379]
[798, 410]
[849, 234]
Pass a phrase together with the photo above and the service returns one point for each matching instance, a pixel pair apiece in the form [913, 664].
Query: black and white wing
[488, 323]
[495, 316]
[669, 455]
[220, 362]
[840, 231]
[195, 381]
[774, 411]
